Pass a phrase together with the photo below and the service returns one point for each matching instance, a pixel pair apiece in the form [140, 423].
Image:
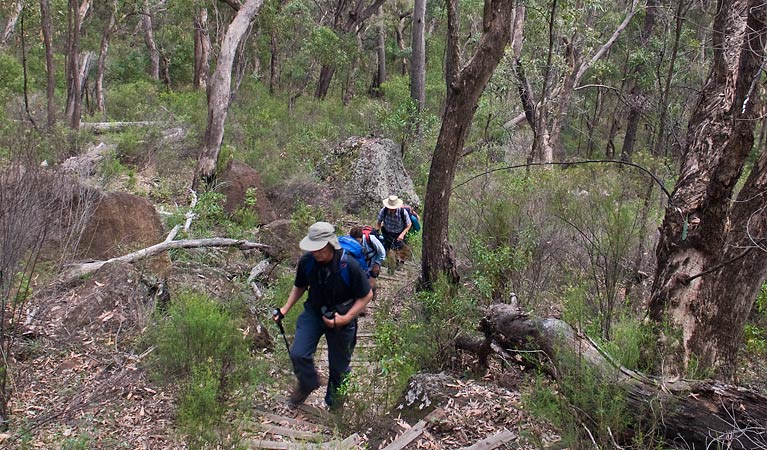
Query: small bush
[199, 346]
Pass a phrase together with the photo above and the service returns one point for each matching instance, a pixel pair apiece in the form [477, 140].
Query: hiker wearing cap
[338, 291]
[394, 223]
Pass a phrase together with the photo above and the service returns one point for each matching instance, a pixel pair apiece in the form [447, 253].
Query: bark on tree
[151, 45]
[710, 252]
[399, 37]
[50, 89]
[700, 413]
[108, 29]
[220, 90]
[461, 103]
[201, 49]
[418, 57]
[74, 91]
[11, 24]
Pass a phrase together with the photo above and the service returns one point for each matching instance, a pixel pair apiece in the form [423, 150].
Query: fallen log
[104, 127]
[80, 270]
[698, 413]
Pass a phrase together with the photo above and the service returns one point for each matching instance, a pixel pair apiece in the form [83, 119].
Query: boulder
[122, 223]
[366, 170]
[235, 181]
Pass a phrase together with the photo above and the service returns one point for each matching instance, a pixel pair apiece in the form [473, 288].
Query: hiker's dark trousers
[341, 342]
[390, 240]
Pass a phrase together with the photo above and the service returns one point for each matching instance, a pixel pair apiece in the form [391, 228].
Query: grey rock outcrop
[366, 170]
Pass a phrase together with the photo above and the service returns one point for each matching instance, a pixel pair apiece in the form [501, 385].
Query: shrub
[199, 346]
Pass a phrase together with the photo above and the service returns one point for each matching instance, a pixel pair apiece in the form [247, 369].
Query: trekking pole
[278, 314]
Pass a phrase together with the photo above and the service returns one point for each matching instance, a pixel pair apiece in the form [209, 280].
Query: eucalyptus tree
[47, 32]
[713, 238]
[219, 90]
[10, 25]
[465, 86]
[346, 18]
[418, 58]
[571, 51]
[74, 92]
[147, 21]
[103, 50]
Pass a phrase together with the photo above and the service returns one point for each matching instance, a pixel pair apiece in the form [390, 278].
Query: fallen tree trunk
[87, 268]
[699, 413]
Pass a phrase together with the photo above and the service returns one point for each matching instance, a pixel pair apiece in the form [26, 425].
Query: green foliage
[199, 346]
[585, 408]
[135, 101]
[761, 300]
[303, 216]
[11, 76]
[755, 338]
[209, 211]
[197, 332]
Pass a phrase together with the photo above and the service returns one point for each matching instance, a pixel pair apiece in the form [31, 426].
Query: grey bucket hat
[320, 234]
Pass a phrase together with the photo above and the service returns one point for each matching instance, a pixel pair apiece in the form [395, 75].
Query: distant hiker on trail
[372, 249]
[394, 223]
[415, 219]
[338, 292]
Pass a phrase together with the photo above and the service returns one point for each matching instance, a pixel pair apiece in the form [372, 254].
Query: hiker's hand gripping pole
[277, 315]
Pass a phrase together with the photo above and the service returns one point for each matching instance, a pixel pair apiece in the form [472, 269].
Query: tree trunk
[399, 37]
[699, 413]
[349, 90]
[461, 103]
[710, 265]
[74, 92]
[660, 136]
[380, 76]
[151, 45]
[323, 84]
[201, 49]
[50, 89]
[637, 98]
[103, 59]
[11, 24]
[220, 90]
[418, 57]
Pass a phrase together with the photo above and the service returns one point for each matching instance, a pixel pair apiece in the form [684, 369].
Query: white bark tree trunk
[151, 45]
[103, 58]
[219, 92]
[11, 24]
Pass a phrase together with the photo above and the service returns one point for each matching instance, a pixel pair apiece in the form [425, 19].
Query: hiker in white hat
[394, 222]
[338, 291]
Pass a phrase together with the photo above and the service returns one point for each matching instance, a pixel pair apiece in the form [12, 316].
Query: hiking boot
[298, 396]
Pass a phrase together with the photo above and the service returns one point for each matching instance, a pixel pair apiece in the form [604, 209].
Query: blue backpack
[416, 224]
[353, 248]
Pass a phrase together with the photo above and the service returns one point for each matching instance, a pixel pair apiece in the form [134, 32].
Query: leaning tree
[463, 92]
[711, 260]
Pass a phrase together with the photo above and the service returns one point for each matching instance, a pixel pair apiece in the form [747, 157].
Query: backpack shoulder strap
[343, 267]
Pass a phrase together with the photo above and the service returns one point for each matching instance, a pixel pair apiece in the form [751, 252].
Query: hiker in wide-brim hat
[338, 292]
[394, 222]
[393, 202]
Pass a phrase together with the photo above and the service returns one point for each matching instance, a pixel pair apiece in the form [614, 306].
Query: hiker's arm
[357, 307]
[293, 297]
[380, 250]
